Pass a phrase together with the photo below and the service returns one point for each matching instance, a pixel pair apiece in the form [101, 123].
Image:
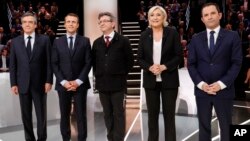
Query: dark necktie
[107, 42]
[212, 42]
[71, 44]
[29, 46]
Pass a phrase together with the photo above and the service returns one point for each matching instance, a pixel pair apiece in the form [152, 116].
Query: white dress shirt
[157, 56]
[32, 39]
[68, 39]
[111, 36]
[216, 33]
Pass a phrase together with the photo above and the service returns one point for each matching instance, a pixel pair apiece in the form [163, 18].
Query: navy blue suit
[224, 65]
[71, 66]
[30, 76]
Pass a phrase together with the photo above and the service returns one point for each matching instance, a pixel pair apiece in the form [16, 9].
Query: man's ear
[202, 19]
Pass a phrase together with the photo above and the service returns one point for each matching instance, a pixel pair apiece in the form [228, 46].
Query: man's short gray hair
[29, 14]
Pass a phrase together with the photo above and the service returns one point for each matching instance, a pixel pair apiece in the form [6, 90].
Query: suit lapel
[23, 46]
[66, 45]
[149, 43]
[204, 45]
[35, 46]
[75, 46]
[114, 39]
[164, 40]
[103, 41]
[218, 41]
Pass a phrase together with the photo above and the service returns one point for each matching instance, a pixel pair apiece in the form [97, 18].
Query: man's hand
[214, 87]
[67, 85]
[14, 90]
[47, 87]
[206, 88]
[74, 85]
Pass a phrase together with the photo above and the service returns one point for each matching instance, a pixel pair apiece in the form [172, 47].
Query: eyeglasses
[104, 21]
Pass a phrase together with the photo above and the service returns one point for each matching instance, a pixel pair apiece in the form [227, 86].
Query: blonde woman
[159, 55]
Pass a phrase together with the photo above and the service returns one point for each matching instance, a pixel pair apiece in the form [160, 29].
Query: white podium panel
[186, 92]
[10, 113]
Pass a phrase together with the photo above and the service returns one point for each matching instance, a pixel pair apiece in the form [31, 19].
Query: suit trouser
[40, 103]
[223, 109]
[114, 116]
[65, 101]
[168, 97]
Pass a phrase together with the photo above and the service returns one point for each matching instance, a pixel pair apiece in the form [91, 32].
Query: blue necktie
[211, 41]
[71, 44]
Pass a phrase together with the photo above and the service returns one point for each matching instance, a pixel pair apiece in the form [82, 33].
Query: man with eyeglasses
[112, 60]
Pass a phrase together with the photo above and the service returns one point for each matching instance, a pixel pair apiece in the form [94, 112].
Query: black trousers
[223, 109]
[40, 103]
[114, 114]
[65, 101]
[168, 97]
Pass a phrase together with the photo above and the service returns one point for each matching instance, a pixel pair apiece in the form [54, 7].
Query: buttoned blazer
[171, 56]
[71, 65]
[34, 71]
[224, 64]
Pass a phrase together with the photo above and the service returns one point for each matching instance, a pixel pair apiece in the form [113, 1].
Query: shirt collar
[69, 35]
[111, 35]
[216, 30]
[32, 35]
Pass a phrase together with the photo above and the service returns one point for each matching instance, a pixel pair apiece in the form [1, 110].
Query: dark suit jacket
[223, 65]
[112, 64]
[71, 67]
[171, 56]
[35, 70]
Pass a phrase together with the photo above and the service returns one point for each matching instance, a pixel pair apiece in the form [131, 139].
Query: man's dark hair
[73, 15]
[210, 4]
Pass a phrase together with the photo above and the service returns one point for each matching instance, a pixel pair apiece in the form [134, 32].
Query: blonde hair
[152, 9]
